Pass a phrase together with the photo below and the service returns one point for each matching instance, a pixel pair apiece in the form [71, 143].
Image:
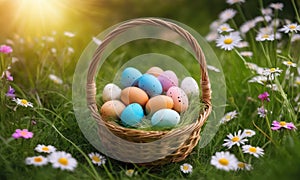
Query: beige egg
[111, 92]
[134, 95]
[112, 109]
[155, 71]
[159, 102]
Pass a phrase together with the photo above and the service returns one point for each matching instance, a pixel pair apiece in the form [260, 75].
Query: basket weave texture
[189, 135]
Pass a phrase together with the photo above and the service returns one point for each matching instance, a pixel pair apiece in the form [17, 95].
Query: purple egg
[168, 79]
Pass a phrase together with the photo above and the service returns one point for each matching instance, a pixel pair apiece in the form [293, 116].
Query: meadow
[257, 137]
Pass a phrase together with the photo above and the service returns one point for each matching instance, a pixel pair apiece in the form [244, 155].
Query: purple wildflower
[262, 112]
[11, 92]
[282, 124]
[22, 134]
[5, 49]
[264, 96]
[8, 75]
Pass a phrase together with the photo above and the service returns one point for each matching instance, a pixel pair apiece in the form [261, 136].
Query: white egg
[111, 92]
[190, 86]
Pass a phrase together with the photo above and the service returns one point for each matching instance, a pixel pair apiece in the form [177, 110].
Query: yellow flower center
[228, 117]
[185, 168]
[266, 36]
[298, 82]
[241, 165]
[228, 41]
[289, 62]
[292, 27]
[248, 132]
[224, 28]
[235, 139]
[252, 149]
[24, 101]
[45, 148]
[282, 123]
[63, 161]
[272, 70]
[37, 159]
[96, 159]
[223, 161]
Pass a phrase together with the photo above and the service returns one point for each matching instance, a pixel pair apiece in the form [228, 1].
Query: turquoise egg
[129, 76]
[165, 118]
[150, 84]
[132, 114]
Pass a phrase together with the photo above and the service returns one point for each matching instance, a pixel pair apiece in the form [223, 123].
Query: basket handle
[91, 85]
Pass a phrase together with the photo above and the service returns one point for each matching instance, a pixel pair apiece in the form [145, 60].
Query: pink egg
[179, 97]
[168, 79]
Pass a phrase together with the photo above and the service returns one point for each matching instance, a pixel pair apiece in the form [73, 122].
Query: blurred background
[90, 17]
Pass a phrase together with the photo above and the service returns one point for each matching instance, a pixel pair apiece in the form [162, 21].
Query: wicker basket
[189, 133]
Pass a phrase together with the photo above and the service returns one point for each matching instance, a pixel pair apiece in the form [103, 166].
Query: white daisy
[255, 151]
[224, 28]
[262, 112]
[273, 87]
[228, 116]
[236, 139]
[46, 149]
[69, 34]
[224, 161]
[130, 172]
[227, 14]
[244, 166]
[248, 133]
[62, 160]
[23, 102]
[36, 161]
[289, 63]
[186, 168]
[213, 68]
[97, 158]
[212, 36]
[242, 44]
[245, 27]
[297, 81]
[235, 1]
[246, 53]
[290, 28]
[267, 11]
[255, 67]
[295, 37]
[271, 73]
[55, 79]
[276, 6]
[264, 37]
[228, 42]
[259, 79]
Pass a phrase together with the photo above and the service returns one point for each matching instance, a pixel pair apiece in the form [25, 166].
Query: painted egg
[150, 84]
[165, 118]
[129, 76]
[110, 92]
[155, 71]
[179, 97]
[112, 109]
[134, 95]
[189, 86]
[168, 79]
[132, 114]
[158, 102]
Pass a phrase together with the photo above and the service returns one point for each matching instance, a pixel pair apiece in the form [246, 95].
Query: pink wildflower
[22, 134]
[264, 96]
[5, 49]
[282, 124]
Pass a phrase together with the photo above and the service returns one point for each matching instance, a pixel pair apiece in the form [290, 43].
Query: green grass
[53, 122]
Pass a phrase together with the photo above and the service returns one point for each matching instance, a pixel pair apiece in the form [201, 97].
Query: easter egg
[150, 84]
[132, 114]
[112, 109]
[129, 76]
[189, 86]
[134, 95]
[158, 102]
[155, 71]
[165, 118]
[179, 97]
[168, 79]
[110, 92]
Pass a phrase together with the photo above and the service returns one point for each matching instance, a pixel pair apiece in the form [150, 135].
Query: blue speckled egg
[165, 118]
[129, 76]
[132, 114]
[150, 84]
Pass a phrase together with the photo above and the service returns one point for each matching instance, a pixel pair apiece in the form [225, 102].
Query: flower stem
[296, 11]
